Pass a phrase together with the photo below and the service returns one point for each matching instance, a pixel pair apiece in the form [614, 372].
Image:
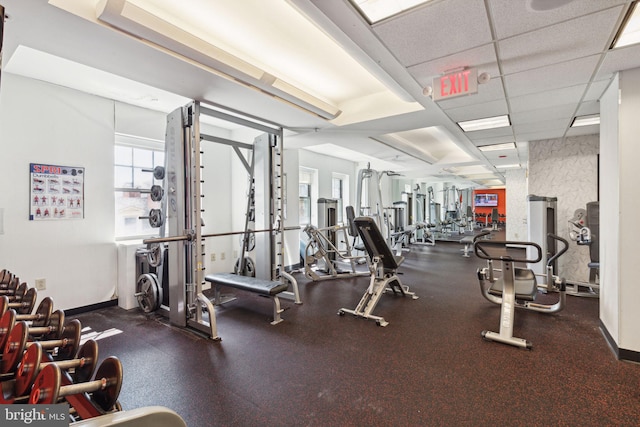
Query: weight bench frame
[383, 266]
[265, 288]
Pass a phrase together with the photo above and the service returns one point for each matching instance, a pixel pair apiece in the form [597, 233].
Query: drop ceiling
[547, 64]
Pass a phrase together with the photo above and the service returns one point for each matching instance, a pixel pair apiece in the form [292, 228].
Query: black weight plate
[43, 313]
[56, 323]
[70, 334]
[111, 370]
[88, 352]
[28, 301]
[148, 291]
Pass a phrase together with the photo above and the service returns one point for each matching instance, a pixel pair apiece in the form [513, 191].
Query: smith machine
[178, 252]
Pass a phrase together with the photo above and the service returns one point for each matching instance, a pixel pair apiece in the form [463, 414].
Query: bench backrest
[374, 242]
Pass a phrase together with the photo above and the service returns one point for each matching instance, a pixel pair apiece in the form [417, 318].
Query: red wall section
[502, 202]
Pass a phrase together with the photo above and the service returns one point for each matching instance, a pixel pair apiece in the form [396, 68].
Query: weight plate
[71, 341]
[88, 352]
[43, 313]
[46, 386]
[156, 193]
[248, 240]
[29, 368]
[14, 347]
[21, 291]
[56, 323]
[7, 322]
[28, 301]
[158, 172]
[4, 304]
[155, 254]
[156, 218]
[249, 267]
[111, 370]
[148, 292]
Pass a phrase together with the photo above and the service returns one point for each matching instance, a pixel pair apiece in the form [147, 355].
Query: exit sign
[460, 83]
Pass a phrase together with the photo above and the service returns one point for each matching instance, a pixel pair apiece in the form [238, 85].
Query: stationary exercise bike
[517, 287]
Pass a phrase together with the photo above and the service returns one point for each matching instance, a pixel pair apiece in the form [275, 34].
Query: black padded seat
[266, 288]
[525, 285]
[375, 243]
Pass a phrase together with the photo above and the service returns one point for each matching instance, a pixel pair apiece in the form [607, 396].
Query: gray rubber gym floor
[428, 367]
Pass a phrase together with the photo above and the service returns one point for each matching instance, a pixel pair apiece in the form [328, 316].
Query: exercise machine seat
[525, 284]
[375, 243]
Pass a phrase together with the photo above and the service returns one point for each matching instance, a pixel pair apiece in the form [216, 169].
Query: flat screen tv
[486, 200]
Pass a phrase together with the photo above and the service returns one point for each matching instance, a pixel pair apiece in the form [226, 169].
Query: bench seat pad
[246, 283]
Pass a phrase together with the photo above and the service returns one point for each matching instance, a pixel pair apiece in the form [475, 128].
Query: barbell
[190, 237]
[32, 363]
[105, 388]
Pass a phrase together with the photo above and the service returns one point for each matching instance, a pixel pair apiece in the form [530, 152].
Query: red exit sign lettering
[459, 83]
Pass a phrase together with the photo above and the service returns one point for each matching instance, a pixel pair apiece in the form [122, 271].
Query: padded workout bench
[468, 242]
[266, 288]
[383, 266]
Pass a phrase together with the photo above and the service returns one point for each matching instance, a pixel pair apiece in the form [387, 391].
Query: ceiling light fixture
[134, 20]
[378, 10]
[486, 123]
[498, 147]
[629, 31]
[513, 166]
[593, 119]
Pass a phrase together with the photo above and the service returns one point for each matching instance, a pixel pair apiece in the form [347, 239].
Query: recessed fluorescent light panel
[378, 10]
[593, 119]
[513, 166]
[498, 147]
[487, 123]
[629, 32]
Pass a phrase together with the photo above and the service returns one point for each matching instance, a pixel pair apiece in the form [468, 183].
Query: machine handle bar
[481, 248]
[561, 251]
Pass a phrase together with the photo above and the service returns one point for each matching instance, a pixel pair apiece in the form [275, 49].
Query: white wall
[326, 165]
[609, 211]
[566, 169]
[516, 193]
[628, 208]
[44, 123]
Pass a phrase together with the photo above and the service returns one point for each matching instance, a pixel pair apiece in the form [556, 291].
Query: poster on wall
[56, 192]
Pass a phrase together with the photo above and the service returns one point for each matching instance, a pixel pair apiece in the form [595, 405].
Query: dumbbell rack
[181, 216]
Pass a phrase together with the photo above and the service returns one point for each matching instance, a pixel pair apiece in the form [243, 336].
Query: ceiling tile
[589, 107]
[559, 125]
[542, 134]
[547, 99]
[596, 89]
[619, 59]
[475, 111]
[490, 133]
[478, 142]
[551, 77]
[511, 17]
[578, 38]
[550, 113]
[430, 31]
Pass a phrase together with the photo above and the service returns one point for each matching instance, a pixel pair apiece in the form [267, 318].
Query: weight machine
[584, 229]
[181, 241]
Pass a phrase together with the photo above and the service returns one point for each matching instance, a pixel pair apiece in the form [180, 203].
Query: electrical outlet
[213, 257]
[41, 284]
[222, 256]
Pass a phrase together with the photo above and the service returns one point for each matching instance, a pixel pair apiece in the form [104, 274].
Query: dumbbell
[18, 290]
[24, 300]
[5, 276]
[10, 287]
[17, 343]
[53, 330]
[32, 363]
[105, 388]
[39, 318]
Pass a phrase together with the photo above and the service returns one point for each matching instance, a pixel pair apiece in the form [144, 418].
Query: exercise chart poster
[56, 192]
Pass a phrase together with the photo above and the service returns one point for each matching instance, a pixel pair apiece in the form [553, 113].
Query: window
[340, 191]
[133, 156]
[304, 216]
[336, 193]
